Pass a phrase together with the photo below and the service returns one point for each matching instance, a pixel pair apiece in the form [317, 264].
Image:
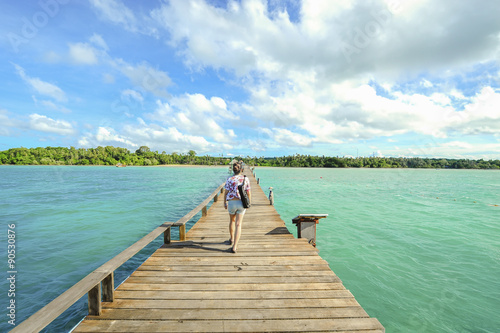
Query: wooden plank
[230, 314]
[229, 295]
[290, 325]
[235, 260]
[233, 304]
[233, 286]
[232, 273]
[228, 280]
[223, 268]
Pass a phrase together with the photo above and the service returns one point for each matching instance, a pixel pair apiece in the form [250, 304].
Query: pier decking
[275, 283]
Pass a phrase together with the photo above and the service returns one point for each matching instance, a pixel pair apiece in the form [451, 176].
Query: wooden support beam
[182, 232]
[167, 239]
[108, 288]
[95, 306]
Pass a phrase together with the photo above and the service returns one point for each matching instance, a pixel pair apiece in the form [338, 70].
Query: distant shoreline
[115, 156]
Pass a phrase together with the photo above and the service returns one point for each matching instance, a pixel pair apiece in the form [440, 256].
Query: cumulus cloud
[196, 115]
[132, 136]
[48, 125]
[305, 85]
[42, 87]
[106, 136]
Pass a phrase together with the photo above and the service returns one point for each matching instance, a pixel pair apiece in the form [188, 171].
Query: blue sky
[252, 77]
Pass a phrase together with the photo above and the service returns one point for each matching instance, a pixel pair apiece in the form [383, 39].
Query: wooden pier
[275, 283]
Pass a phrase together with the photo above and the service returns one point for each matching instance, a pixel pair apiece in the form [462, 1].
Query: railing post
[182, 232]
[166, 236]
[306, 226]
[258, 180]
[216, 198]
[108, 288]
[95, 307]
[204, 211]
[271, 196]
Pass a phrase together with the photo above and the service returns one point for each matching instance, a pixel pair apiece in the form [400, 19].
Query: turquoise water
[419, 249]
[71, 220]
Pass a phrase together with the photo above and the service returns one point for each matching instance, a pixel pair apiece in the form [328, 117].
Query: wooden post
[182, 232]
[306, 226]
[166, 236]
[216, 198]
[271, 196]
[258, 180]
[204, 211]
[108, 288]
[95, 307]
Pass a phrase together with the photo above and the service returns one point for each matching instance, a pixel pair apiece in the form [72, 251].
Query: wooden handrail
[91, 284]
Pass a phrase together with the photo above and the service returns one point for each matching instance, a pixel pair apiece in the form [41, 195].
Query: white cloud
[106, 136]
[284, 137]
[42, 87]
[156, 137]
[51, 105]
[48, 125]
[299, 77]
[6, 124]
[146, 77]
[132, 94]
[116, 12]
[83, 53]
[99, 41]
[452, 150]
[196, 115]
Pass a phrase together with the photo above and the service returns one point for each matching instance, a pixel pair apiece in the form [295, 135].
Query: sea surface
[419, 249]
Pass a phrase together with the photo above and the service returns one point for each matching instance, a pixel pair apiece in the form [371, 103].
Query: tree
[142, 150]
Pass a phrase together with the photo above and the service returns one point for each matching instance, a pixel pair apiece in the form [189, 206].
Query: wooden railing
[104, 275]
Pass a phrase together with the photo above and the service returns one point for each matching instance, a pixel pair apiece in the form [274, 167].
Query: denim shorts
[235, 207]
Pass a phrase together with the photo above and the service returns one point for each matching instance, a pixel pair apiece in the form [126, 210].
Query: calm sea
[419, 249]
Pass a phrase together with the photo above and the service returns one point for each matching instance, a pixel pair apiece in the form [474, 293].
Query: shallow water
[419, 249]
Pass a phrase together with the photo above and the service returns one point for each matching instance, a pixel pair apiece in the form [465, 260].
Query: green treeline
[144, 156]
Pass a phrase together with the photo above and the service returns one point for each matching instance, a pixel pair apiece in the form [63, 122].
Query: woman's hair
[236, 168]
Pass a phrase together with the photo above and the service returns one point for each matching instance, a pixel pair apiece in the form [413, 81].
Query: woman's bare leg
[237, 234]
[232, 219]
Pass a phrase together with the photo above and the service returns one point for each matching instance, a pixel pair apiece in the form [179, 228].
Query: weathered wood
[231, 314]
[204, 211]
[230, 295]
[94, 297]
[290, 325]
[233, 286]
[167, 238]
[108, 288]
[182, 232]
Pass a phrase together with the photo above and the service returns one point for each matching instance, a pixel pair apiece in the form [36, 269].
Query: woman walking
[232, 202]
